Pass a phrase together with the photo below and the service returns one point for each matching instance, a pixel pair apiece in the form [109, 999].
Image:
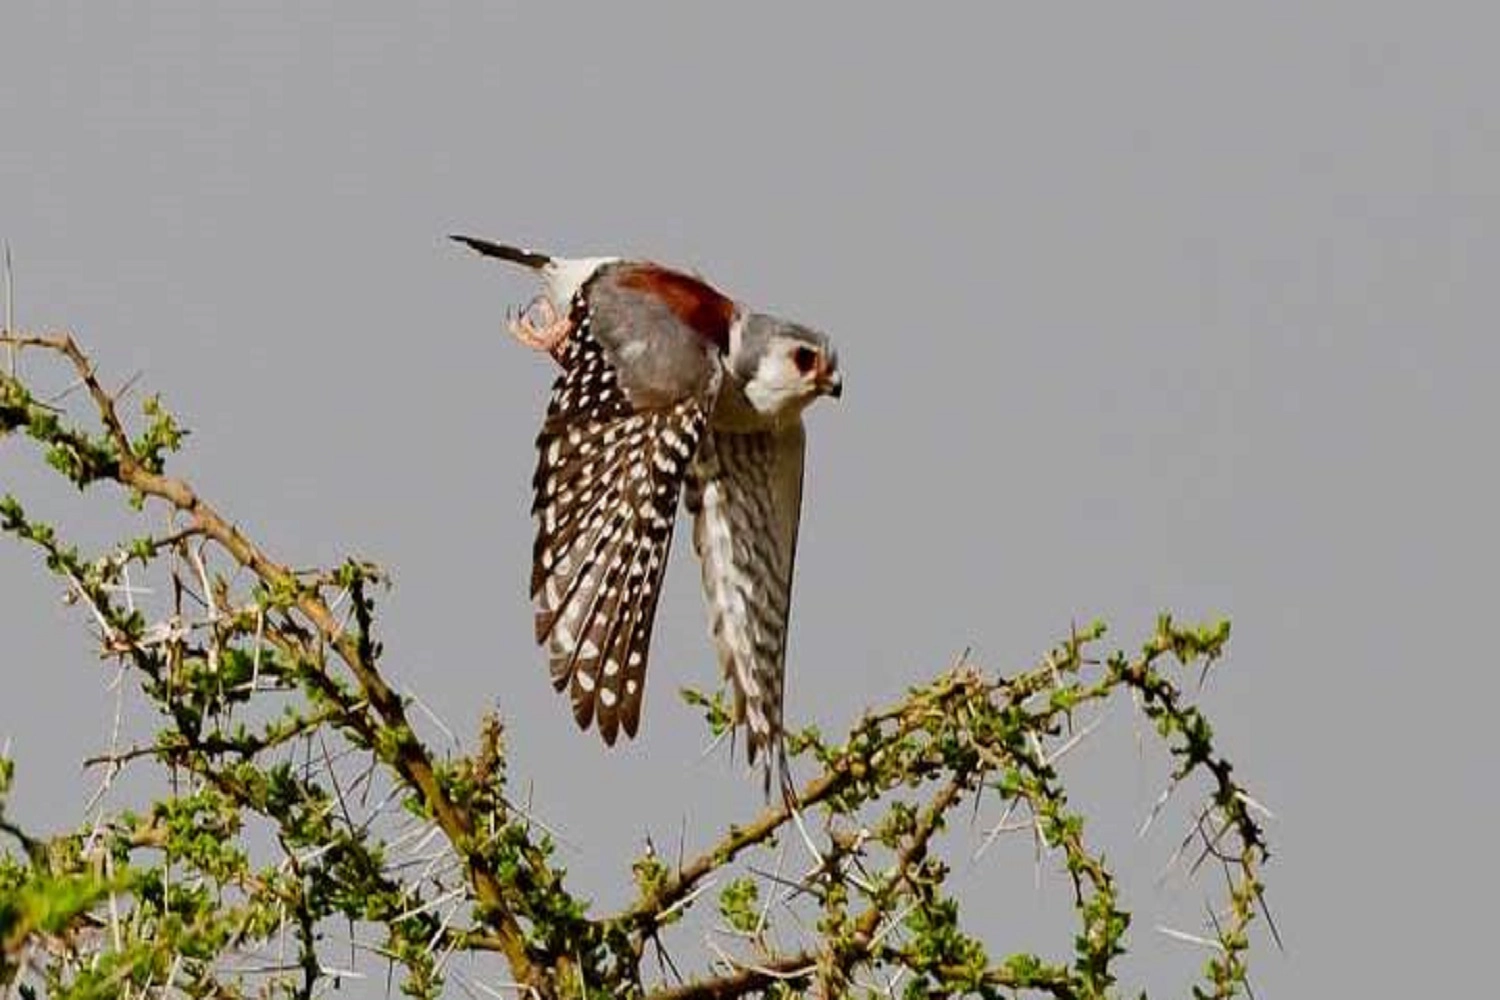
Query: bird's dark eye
[804, 358]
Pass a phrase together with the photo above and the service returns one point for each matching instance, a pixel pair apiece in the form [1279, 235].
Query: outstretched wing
[745, 491]
[607, 481]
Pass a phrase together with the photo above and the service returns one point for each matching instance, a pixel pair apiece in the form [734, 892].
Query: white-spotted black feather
[607, 483]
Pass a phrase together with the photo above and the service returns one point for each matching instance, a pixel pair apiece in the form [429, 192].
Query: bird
[668, 387]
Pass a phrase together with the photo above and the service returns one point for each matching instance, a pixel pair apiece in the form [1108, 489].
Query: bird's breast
[734, 412]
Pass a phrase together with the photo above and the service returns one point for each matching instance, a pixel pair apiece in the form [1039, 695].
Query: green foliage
[738, 902]
[307, 826]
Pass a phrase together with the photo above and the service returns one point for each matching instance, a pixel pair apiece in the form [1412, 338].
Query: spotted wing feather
[745, 491]
[606, 488]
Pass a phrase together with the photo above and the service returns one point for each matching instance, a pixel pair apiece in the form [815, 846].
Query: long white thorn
[10, 313]
[1189, 938]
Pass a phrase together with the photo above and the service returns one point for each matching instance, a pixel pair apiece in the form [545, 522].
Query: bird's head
[782, 366]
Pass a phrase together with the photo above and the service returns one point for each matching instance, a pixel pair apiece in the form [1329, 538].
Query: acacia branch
[410, 757]
[881, 893]
[849, 766]
[685, 879]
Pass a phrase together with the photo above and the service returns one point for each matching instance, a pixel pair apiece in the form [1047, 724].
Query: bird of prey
[667, 387]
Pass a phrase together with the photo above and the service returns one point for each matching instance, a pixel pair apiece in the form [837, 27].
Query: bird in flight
[668, 387]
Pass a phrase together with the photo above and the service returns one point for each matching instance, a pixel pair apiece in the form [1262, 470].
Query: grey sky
[1159, 307]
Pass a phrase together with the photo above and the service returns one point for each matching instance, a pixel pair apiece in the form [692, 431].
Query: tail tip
[488, 248]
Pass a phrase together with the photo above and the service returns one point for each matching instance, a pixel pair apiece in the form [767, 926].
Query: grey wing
[745, 492]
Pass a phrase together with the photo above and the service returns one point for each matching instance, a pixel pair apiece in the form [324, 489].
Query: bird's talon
[546, 333]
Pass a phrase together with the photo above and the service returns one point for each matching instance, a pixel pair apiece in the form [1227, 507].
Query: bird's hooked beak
[830, 381]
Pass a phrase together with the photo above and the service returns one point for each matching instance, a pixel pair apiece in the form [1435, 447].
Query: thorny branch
[92, 911]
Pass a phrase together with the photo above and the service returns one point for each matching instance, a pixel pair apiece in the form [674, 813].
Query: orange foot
[548, 332]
